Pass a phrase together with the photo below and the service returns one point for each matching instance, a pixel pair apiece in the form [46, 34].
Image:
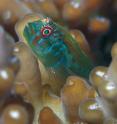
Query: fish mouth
[20, 25]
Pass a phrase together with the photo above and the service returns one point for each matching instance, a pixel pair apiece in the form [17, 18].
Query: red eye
[46, 31]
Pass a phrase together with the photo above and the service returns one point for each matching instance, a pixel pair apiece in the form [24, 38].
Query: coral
[58, 62]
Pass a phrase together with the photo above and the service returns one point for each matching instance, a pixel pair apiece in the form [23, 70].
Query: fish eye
[46, 31]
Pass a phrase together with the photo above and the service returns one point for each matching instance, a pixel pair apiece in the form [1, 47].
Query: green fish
[56, 48]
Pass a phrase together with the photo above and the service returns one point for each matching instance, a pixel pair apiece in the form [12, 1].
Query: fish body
[56, 48]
